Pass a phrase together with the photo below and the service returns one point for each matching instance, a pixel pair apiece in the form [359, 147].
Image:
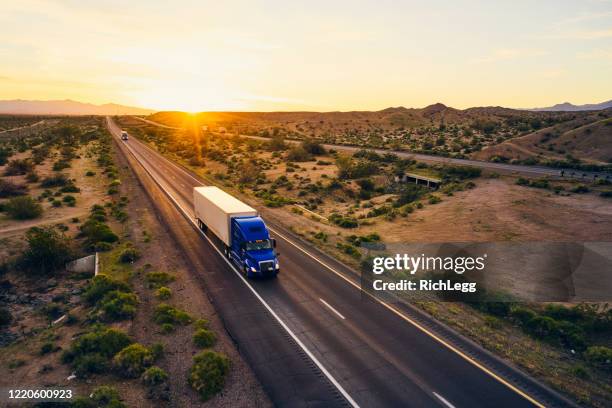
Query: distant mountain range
[568, 107]
[68, 107]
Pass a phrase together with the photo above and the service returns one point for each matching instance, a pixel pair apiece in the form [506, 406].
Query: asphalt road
[350, 349]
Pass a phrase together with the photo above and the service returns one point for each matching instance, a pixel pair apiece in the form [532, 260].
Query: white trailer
[214, 208]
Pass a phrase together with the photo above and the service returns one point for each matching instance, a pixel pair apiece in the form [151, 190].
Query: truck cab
[251, 247]
[124, 135]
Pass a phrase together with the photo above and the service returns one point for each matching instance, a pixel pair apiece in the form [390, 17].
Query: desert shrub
[100, 285]
[461, 172]
[154, 376]
[52, 310]
[157, 279]
[102, 397]
[47, 250]
[344, 222]
[70, 188]
[366, 184]
[542, 327]
[56, 203]
[312, 147]
[69, 200]
[47, 347]
[5, 317]
[204, 338]
[102, 246]
[91, 352]
[90, 173]
[201, 324]
[599, 356]
[57, 180]
[298, 154]
[165, 313]
[32, 177]
[606, 194]
[409, 194]
[131, 361]
[23, 208]
[96, 231]
[129, 255]
[207, 375]
[163, 293]
[118, 305]
[580, 189]
[522, 314]
[10, 189]
[18, 167]
[434, 199]
[167, 328]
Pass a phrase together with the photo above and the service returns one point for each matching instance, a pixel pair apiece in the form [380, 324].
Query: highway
[313, 338]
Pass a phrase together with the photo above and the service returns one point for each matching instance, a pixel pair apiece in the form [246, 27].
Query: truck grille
[266, 266]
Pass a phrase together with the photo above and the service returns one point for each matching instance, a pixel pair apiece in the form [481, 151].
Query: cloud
[507, 54]
[589, 16]
[582, 35]
[598, 54]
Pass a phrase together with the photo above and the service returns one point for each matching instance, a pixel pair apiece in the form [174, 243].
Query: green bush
[204, 338]
[90, 173]
[57, 180]
[522, 314]
[100, 285]
[298, 154]
[56, 203]
[47, 250]
[10, 189]
[5, 317]
[23, 208]
[167, 328]
[157, 279]
[69, 200]
[117, 305]
[129, 255]
[91, 352]
[165, 313]
[163, 293]
[102, 397]
[154, 376]
[599, 356]
[201, 324]
[542, 327]
[95, 231]
[131, 361]
[207, 375]
[18, 167]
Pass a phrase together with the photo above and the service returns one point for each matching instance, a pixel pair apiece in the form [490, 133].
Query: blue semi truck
[245, 238]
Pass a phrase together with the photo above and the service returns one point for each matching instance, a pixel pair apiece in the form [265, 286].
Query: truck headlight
[253, 269]
[277, 266]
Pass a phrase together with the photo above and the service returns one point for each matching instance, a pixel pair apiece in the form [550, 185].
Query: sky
[307, 55]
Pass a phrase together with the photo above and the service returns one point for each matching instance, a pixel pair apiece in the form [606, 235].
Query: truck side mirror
[273, 243]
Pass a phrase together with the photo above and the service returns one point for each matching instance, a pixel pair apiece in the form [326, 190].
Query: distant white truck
[124, 135]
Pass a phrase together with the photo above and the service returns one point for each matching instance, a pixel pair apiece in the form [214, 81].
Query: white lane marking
[350, 400]
[444, 401]
[393, 309]
[332, 309]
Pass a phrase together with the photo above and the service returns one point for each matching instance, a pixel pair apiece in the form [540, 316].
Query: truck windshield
[258, 245]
